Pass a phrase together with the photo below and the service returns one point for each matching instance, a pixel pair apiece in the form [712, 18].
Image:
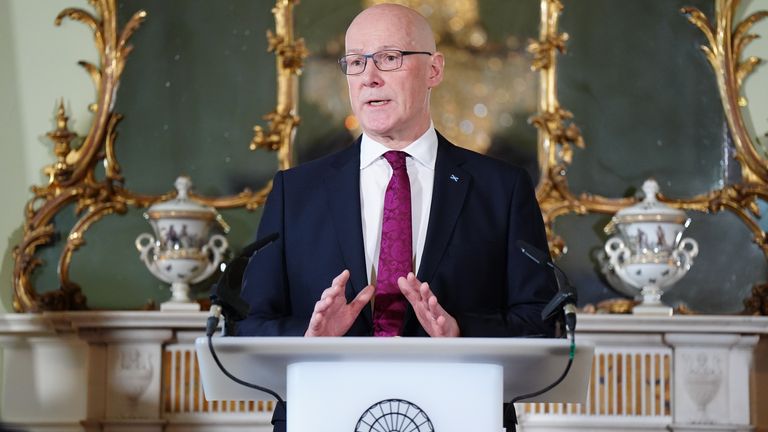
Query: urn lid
[182, 207]
[649, 210]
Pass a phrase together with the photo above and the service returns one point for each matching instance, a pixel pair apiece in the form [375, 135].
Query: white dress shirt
[375, 173]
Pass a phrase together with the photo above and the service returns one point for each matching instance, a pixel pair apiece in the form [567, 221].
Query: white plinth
[412, 394]
[179, 306]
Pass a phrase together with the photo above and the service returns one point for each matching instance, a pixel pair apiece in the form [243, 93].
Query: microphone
[225, 293]
[565, 298]
[226, 301]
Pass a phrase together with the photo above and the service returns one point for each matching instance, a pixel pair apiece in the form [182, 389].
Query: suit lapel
[343, 191]
[448, 194]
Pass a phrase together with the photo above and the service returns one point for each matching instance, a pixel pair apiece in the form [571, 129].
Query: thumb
[362, 298]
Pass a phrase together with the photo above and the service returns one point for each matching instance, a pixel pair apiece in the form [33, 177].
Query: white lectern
[394, 384]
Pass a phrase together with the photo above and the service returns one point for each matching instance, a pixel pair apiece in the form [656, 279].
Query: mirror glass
[198, 80]
[484, 102]
[647, 102]
[645, 98]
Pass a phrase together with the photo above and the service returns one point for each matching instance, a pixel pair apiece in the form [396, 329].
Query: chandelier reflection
[488, 85]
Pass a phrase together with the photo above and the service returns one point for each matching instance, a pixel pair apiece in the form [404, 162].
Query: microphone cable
[233, 309]
[511, 414]
[566, 299]
[210, 329]
[212, 323]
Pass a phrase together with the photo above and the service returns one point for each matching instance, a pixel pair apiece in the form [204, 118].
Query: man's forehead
[376, 31]
[355, 50]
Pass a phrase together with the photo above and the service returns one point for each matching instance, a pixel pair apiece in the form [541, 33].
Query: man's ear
[436, 68]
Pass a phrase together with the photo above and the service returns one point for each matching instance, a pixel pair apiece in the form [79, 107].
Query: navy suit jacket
[480, 208]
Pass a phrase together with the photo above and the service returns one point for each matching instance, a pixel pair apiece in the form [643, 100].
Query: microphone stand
[226, 302]
[565, 299]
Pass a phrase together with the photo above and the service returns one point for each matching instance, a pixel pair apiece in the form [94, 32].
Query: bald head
[392, 105]
[396, 18]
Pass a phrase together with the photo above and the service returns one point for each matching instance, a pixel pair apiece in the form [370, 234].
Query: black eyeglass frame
[343, 64]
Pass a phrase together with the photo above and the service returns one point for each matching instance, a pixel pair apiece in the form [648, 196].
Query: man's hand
[332, 315]
[433, 318]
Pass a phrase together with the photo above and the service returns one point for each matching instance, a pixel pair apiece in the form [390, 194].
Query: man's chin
[376, 130]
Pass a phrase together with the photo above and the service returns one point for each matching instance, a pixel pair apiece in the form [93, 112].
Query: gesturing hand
[333, 316]
[432, 317]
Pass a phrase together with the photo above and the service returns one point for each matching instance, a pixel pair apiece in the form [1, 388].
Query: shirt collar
[423, 150]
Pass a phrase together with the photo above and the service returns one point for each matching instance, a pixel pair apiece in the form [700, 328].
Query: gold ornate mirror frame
[559, 134]
[73, 179]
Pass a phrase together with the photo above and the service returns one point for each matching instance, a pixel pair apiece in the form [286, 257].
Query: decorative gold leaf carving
[290, 55]
[725, 47]
[558, 133]
[73, 180]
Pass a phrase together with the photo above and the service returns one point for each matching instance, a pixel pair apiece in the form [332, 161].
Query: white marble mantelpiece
[136, 371]
[49, 322]
[605, 323]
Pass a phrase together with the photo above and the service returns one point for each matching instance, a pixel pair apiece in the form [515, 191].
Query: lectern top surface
[528, 364]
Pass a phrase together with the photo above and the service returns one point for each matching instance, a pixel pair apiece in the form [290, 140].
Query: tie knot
[396, 159]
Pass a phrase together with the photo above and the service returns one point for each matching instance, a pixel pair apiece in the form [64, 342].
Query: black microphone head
[226, 291]
[533, 252]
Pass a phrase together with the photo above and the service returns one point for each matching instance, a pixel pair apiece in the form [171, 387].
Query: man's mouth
[377, 102]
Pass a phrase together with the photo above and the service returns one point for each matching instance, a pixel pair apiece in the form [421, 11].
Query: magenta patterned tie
[395, 257]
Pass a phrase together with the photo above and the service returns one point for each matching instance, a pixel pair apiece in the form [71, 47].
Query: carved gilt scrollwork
[290, 59]
[72, 178]
[558, 133]
[724, 51]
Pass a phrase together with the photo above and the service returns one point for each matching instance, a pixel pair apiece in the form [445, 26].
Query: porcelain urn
[648, 253]
[182, 250]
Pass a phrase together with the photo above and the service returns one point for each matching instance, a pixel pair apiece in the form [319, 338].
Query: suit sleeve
[529, 287]
[265, 282]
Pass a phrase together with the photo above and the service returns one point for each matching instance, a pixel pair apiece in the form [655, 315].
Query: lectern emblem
[394, 415]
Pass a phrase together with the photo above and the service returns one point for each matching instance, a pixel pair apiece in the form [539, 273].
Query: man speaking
[415, 236]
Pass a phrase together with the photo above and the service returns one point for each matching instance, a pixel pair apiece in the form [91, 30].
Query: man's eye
[390, 58]
[355, 62]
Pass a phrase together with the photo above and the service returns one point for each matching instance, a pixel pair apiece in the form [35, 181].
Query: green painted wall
[38, 68]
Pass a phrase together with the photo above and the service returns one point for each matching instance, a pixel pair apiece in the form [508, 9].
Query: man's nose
[371, 76]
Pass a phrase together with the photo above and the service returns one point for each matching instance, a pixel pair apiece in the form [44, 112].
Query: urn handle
[685, 252]
[146, 244]
[214, 249]
[618, 254]
[616, 250]
[690, 247]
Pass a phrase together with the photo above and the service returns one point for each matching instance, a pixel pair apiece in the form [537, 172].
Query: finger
[440, 325]
[316, 322]
[409, 286]
[413, 297]
[329, 292]
[424, 291]
[440, 321]
[362, 299]
[321, 306]
[434, 307]
[341, 279]
[412, 280]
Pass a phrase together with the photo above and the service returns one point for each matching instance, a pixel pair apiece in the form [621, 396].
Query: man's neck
[400, 141]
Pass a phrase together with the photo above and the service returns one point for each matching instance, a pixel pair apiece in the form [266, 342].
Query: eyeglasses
[387, 60]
